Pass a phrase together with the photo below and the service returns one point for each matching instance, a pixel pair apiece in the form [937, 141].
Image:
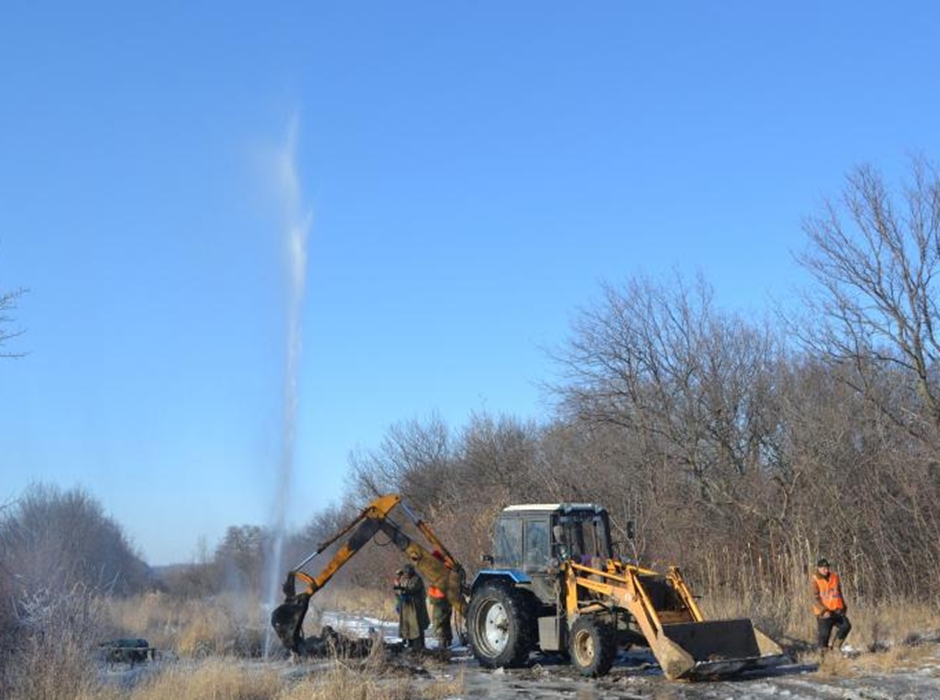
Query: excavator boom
[437, 566]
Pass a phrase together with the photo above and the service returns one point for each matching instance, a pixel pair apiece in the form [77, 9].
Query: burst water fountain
[296, 228]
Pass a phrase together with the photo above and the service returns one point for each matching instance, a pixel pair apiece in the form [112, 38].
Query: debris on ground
[130, 651]
[333, 643]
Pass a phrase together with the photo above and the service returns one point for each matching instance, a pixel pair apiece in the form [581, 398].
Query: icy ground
[629, 681]
[635, 676]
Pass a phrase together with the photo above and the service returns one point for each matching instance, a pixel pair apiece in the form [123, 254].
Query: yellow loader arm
[444, 572]
[683, 642]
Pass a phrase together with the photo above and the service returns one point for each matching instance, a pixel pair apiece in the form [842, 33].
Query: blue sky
[466, 175]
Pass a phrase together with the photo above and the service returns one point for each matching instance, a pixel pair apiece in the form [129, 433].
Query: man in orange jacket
[829, 606]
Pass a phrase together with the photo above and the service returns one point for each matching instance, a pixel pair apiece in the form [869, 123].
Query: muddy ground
[635, 675]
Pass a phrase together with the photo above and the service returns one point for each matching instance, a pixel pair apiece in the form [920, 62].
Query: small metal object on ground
[130, 651]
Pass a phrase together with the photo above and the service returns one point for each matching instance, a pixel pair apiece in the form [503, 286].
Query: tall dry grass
[226, 624]
[211, 679]
[229, 623]
[357, 600]
[206, 661]
[776, 595]
[211, 664]
[897, 625]
[51, 652]
[219, 678]
[344, 682]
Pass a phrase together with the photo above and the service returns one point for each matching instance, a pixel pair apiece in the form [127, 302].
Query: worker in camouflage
[412, 611]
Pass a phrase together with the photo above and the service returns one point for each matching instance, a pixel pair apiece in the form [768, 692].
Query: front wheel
[593, 646]
[500, 623]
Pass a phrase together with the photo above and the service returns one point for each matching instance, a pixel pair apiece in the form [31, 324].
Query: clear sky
[465, 175]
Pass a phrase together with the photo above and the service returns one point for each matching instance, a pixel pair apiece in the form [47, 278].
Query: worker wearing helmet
[412, 609]
[829, 606]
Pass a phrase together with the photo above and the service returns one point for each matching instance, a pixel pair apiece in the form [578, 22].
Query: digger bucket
[287, 619]
[714, 648]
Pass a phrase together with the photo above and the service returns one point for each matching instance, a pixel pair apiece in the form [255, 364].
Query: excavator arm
[438, 566]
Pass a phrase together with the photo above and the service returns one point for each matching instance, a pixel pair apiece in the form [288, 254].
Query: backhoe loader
[553, 584]
[437, 566]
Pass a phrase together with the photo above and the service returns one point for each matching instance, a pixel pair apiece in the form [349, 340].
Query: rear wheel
[593, 646]
[500, 624]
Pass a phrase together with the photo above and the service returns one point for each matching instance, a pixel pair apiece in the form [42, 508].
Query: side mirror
[631, 530]
[487, 559]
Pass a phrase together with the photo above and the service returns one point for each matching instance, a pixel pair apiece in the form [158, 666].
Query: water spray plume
[297, 220]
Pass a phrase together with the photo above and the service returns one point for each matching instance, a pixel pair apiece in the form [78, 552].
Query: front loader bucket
[709, 649]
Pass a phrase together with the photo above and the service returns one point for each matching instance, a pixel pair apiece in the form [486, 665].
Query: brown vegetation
[742, 454]
[742, 449]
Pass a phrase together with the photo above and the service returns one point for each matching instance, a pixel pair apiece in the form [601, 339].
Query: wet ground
[630, 682]
[636, 676]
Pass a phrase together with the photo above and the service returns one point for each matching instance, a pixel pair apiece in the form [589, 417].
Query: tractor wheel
[501, 625]
[593, 646]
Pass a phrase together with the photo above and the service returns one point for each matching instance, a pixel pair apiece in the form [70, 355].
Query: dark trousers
[824, 627]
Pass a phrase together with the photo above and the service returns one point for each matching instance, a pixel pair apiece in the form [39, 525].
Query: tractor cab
[529, 537]
[530, 541]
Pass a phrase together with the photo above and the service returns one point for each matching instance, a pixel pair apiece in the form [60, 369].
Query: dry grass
[228, 624]
[51, 654]
[347, 681]
[213, 679]
[833, 665]
[65, 669]
[205, 635]
[225, 624]
[791, 621]
[902, 656]
[360, 601]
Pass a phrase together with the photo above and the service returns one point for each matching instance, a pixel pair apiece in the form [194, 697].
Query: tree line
[742, 448]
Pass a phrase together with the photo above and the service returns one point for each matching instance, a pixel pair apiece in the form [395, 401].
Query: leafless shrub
[8, 304]
[197, 628]
[54, 647]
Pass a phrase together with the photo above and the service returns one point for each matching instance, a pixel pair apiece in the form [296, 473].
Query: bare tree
[414, 459]
[8, 303]
[239, 557]
[60, 554]
[875, 254]
[51, 537]
[693, 384]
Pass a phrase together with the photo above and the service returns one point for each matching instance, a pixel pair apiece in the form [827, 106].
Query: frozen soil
[636, 675]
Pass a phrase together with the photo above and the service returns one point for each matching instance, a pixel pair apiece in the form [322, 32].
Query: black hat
[822, 562]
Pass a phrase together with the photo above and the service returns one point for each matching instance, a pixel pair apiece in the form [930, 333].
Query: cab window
[537, 545]
[508, 543]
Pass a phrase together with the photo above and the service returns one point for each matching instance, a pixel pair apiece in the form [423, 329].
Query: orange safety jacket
[435, 592]
[827, 593]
